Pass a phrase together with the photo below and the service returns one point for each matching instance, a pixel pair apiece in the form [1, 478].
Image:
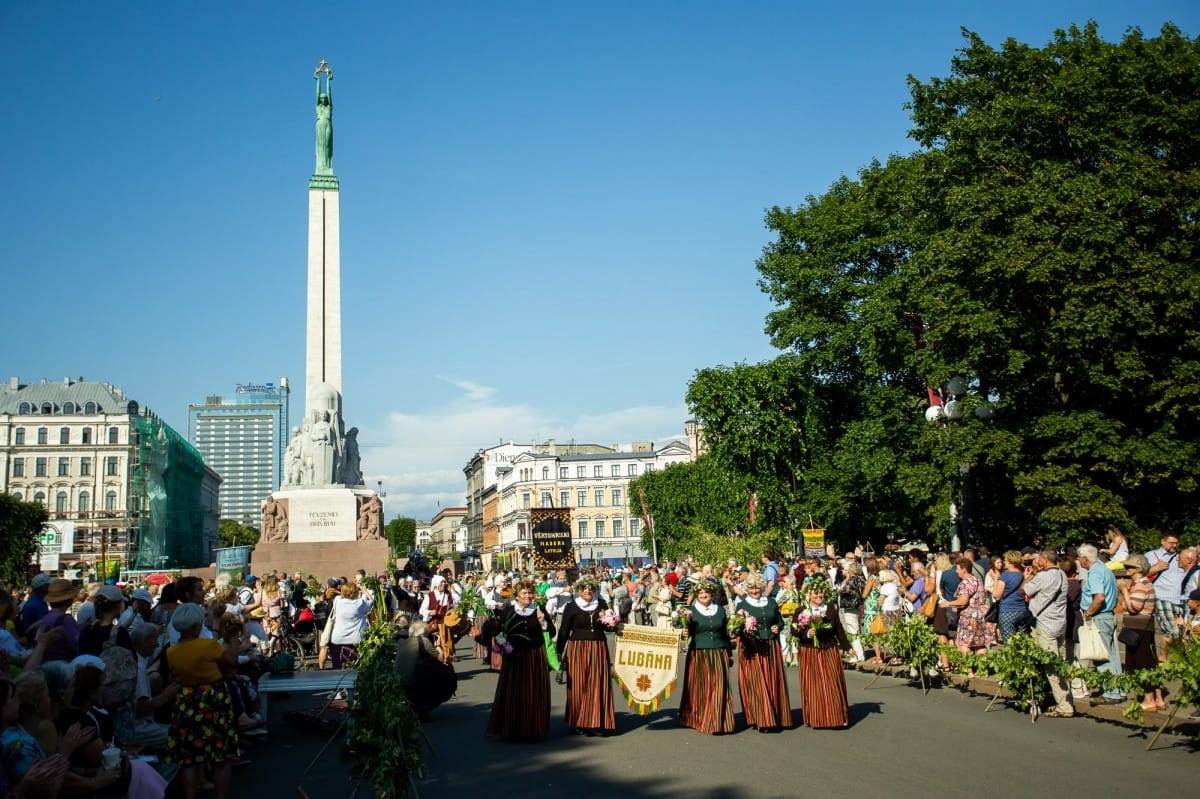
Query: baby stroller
[299, 637]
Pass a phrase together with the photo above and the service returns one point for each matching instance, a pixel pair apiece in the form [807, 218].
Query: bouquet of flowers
[681, 619]
[741, 624]
[609, 618]
[788, 608]
[809, 625]
[471, 603]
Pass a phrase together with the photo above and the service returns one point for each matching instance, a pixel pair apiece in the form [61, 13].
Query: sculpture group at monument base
[323, 559]
[309, 515]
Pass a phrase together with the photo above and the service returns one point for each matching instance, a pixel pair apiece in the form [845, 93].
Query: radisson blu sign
[256, 388]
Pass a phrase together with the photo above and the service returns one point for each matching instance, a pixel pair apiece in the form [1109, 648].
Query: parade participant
[707, 701]
[819, 634]
[582, 641]
[761, 684]
[521, 707]
[203, 731]
[438, 602]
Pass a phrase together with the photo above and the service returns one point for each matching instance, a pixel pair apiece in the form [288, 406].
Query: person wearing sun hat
[60, 595]
[820, 638]
[35, 608]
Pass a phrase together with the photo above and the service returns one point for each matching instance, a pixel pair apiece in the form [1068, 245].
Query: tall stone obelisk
[323, 359]
[322, 520]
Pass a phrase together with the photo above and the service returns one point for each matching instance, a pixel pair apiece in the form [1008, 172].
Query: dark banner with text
[551, 538]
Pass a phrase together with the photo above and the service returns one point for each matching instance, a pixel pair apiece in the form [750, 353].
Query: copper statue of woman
[324, 121]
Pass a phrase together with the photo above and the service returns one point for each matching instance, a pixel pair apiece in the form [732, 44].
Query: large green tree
[1042, 245]
[402, 535]
[20, 524]
[232, 533]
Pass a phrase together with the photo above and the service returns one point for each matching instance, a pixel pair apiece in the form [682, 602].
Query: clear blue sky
[551, 212]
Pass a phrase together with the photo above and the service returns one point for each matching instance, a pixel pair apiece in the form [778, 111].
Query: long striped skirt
[589, 687]
[823, 688]
[521, 707]
[707, 700]
[761, 686]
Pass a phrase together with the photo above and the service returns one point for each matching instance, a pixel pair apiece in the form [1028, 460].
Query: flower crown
[707, 584]
[587, 581]
[818, 583]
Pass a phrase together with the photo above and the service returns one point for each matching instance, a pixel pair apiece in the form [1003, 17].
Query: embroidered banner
[551, 538]
[646, 665]
[814, 543]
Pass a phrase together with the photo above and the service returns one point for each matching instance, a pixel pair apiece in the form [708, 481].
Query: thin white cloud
[420, 457]
[475, 391]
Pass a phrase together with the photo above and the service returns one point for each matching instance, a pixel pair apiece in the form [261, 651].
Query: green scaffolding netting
[166, 482]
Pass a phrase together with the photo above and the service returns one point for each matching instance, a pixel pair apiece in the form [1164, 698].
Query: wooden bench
[303, 682]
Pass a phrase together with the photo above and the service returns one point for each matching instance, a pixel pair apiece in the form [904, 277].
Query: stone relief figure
[324, 121]
[351, 469]
[323, 441]
[370, 518]
[293, 464]
[274, 520]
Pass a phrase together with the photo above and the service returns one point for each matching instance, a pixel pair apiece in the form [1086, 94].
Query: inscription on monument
[323, 515]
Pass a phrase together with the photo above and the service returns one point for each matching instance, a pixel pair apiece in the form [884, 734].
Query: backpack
[120, 672]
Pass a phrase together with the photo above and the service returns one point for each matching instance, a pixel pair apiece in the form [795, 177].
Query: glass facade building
[243, 437]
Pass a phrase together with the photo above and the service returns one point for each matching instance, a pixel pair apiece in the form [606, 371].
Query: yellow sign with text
[646, 665]
[814, 543]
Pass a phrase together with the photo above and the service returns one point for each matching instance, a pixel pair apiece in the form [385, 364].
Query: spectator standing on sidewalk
[1167, 576]
[1046, 589]
[1098, 601]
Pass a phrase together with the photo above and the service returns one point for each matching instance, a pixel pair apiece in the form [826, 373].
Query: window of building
[631, 470]
[110, 500]
[618, 527]
[562, 472]
[18, 467]
[84, 503]
[40, 498]
[47, 408]
[24, 409]
[42, 434]
[19, 435]
[110, 466]
[616, 470]
[39, 467]
[581, 496]
[583, 528]
[597, 471]
[89, 407]
[580, 472]
[64, 435]
[635, 527]
[87, 435]
[18, 495]
[64, 467]
[546, 501]
[525, 499]
[545, 472]
[616, 497]
[599, 528]
[69, 407]
[112, 435]
[599, 497]
[85, 467]
[60, 502]
[649, 467]
[564, 498]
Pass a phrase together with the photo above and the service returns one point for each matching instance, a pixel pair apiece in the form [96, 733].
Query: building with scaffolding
[124, 487]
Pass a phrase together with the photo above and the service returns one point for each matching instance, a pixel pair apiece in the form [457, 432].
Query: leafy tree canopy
[402, 535]
[234, 534]
[20, 524]
[1041, 244]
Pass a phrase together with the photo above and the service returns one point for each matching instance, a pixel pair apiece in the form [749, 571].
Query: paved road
[900, 741]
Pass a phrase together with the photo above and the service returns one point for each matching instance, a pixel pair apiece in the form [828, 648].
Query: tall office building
[243, 437]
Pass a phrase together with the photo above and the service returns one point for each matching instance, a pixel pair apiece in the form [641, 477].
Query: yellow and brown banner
[646, 665]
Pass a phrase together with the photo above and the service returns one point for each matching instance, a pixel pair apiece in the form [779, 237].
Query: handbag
[878, 626]
[993, 613]
[929, 606]
[1091, 645]
[1131, 638]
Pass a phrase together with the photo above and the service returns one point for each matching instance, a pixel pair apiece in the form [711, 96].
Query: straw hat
[61, 591]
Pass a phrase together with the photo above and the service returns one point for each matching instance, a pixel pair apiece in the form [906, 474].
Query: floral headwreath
[818, 583]
[587, 581]
[707, 584]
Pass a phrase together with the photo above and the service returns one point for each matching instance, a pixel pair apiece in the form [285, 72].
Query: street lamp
[948, 406]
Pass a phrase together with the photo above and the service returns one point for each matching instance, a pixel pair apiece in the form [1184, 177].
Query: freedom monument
[322, 520]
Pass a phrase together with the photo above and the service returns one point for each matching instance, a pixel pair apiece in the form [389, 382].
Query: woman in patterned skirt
[582, 641]
[761, 686]
[822, 681]
[970, 600]
[203, 728]
[521, 708]
[707, 701]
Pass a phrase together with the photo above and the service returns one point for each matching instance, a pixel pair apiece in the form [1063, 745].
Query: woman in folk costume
[438, 602]
[582, 640]
[707, 701]
[761, 684]
[521, 708]
[819, 633]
